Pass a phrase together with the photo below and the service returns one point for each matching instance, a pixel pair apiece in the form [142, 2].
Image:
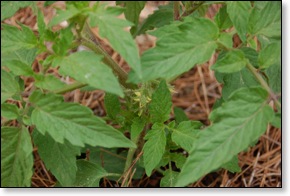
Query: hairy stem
[129, 158]
[118, 71]
[264, 84]
[70, 87]
[176, 10]
[190, 11]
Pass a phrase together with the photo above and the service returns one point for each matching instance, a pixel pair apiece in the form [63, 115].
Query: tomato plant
[139, 102]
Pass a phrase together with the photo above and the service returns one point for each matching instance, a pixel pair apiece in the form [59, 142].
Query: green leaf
[231, 61]
[16, 157]
[232, 165]
[137, 127]
[59, 158]
[168, 157]
[154, 147]
[234, 81]
[236, 124]
[87, 67]
[89, 174]
[9, 111]
[270, 55]
[162, 16]
[9, 86]
[169, 179]
[277, 121]
[64, 42]
[239, 13]
[179, 159]
[40, 23]
[179, 115]
[77, 124]
[251, 54]
[45, 100]
[160, 106]
[266, 19]
[222, 19]
[184, 45]
[274, 74]
[63, 15]
[226, 39]
[13, 39]
[49, 82]
[26, 56]
[186, 134]
[112, 105]
[9, 8]
[112, 28]
[19, 68]
[112, 161]
[132, 12]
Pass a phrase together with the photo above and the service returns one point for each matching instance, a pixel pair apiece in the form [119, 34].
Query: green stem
[118, 71]
[190, 11]
[122, 75]
[264, 84]
[129, 158]
[70, 87]
[113, 174]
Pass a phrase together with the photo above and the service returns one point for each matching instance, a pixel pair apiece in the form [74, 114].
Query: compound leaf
[180, 115]
[154, 148]
[234, 81]
[9, 111]
[112, 28]
[236, 124]
[274, 74]
[160, 105]
[136, 128]
[89, 174]
[9, 86]
[19, 68]
[184, 45]
[232, 165]
[229, 62]
[62, 162]
[16, 157]
[112, 105]
[13, 39]
[87, 67]
[270, 55]
[266, 19]
[63, 15]
[160, 17]
[251, 54]
[169, 178]
[49, 82]
[8, 8]
[132, 12]
[186, 134]
[222, 19]
[75, 123]
[26, 56]
[239, 13]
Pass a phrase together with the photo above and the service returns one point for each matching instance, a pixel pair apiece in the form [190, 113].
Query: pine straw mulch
[197, 91]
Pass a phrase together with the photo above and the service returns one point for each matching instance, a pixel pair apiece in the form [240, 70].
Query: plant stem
[264, 84]
[176, 10]
[118, 71]
[190, 11]
[129, 158]
[70, 87]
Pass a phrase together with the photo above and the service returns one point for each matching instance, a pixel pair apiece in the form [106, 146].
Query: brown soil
[196, 92]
